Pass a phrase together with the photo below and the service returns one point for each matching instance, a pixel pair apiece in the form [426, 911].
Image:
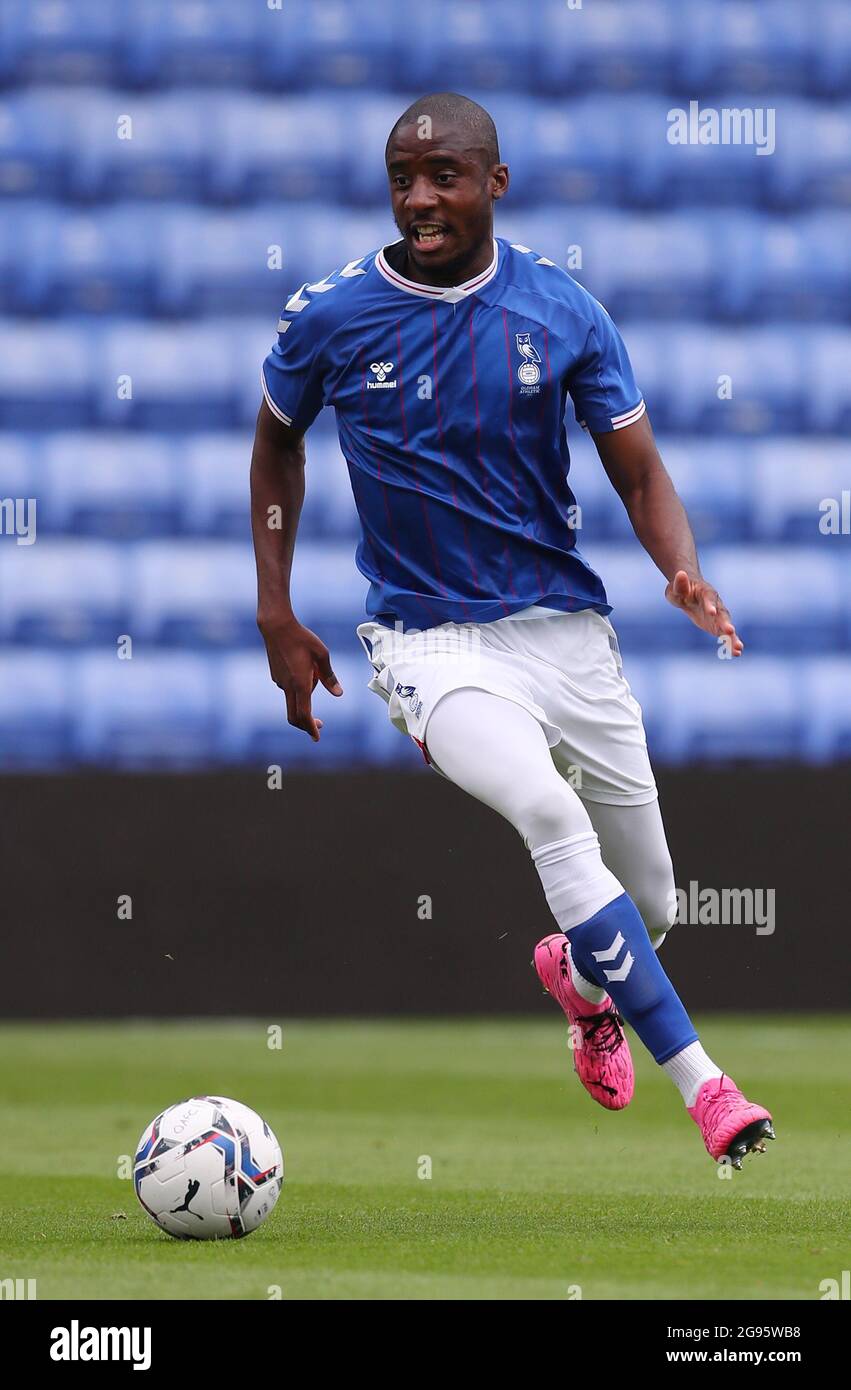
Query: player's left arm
[637, 473]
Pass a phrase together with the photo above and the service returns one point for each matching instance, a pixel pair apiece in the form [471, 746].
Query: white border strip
[271, 404]
[620, 422]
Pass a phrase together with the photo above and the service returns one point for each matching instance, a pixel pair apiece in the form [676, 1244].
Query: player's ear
[499, 180]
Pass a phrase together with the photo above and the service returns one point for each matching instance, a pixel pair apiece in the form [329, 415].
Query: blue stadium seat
[254, 726]
[194, 594]
[213, 263]
[266, 148]
[338, 44]
[481, 45]
[73, 41]
[830, 65]
[93, 262]
[155, 711]
[786, 598]
[329, 592]
[605, 45]
[828, 382]
[570, 153]
[790, 480]
[35, 143]
[213, 478]
[643, 619]
[713, 478]
[725, 710]
[47, 375]
[827, 692]
[669, 173]
[21, 475]
[181, 375]
[767, 378]
[189, 42]
[126, 146]
[809, 167]
[36, 712]
[115, 486]
[64, 592]
[744, 46]
[602, 512]
[800, 268]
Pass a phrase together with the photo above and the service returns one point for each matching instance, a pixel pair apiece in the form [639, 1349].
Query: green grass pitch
[535, 1192]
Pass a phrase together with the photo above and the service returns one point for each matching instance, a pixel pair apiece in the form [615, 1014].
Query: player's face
[442, 193]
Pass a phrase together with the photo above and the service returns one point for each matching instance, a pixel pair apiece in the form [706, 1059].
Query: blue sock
[612, 950]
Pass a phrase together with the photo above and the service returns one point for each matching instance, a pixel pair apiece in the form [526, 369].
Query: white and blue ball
[208, 1169]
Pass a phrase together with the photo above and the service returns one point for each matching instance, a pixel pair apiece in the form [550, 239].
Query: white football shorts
[565, 669]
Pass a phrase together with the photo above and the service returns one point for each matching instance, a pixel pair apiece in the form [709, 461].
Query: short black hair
[456, 110]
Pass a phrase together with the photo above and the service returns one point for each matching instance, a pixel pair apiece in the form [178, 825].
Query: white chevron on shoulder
[295, 303]
[351, 268]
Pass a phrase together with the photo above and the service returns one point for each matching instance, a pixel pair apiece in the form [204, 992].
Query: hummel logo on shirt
[382, 370]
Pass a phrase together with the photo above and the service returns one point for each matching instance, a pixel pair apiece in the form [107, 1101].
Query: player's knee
[656, 899]
[551, 815]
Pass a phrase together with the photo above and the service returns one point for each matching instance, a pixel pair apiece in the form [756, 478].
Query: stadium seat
[213, 262]
[127, 146]
[809, 167]
[193, 594]
[827, 693]
[64, 41]
[179, 376]
[329, 592]
[66, 592]
[21, 473]
[828, 380]
[607, 45]
[115, 486]
[727, 710]
[154, 711]
[92, 262]
[190, 42]
[261, 150]
[47, 375]
[254, 726]
[744, 46]
[340, 44]
[35, 143]
[830, 63]
[36, 711]
[786, 598]
[792, 483]
[713, 478]
[759, 373]
[479, 46]
[642, 617]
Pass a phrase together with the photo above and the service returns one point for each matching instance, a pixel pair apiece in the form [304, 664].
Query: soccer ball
[208, 1169]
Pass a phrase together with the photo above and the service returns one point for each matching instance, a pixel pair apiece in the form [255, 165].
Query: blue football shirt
[450, 411]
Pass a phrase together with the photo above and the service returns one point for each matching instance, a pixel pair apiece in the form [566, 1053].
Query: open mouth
[428, 233]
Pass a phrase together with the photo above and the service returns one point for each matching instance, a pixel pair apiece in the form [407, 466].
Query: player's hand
[298, 661]
[704, 607]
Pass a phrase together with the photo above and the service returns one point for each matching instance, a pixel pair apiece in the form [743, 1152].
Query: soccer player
[448, 357]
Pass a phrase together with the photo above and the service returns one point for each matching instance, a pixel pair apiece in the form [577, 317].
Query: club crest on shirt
[381, 371]
[529, 371]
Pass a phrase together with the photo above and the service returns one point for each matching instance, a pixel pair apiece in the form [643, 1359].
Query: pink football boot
[731, 1126]
[601, 1056]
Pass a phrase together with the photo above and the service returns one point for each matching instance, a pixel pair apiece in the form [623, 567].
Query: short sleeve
[291, 375]
[602, 386]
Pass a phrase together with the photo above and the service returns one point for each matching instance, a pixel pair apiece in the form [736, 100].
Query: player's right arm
[298, 659]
